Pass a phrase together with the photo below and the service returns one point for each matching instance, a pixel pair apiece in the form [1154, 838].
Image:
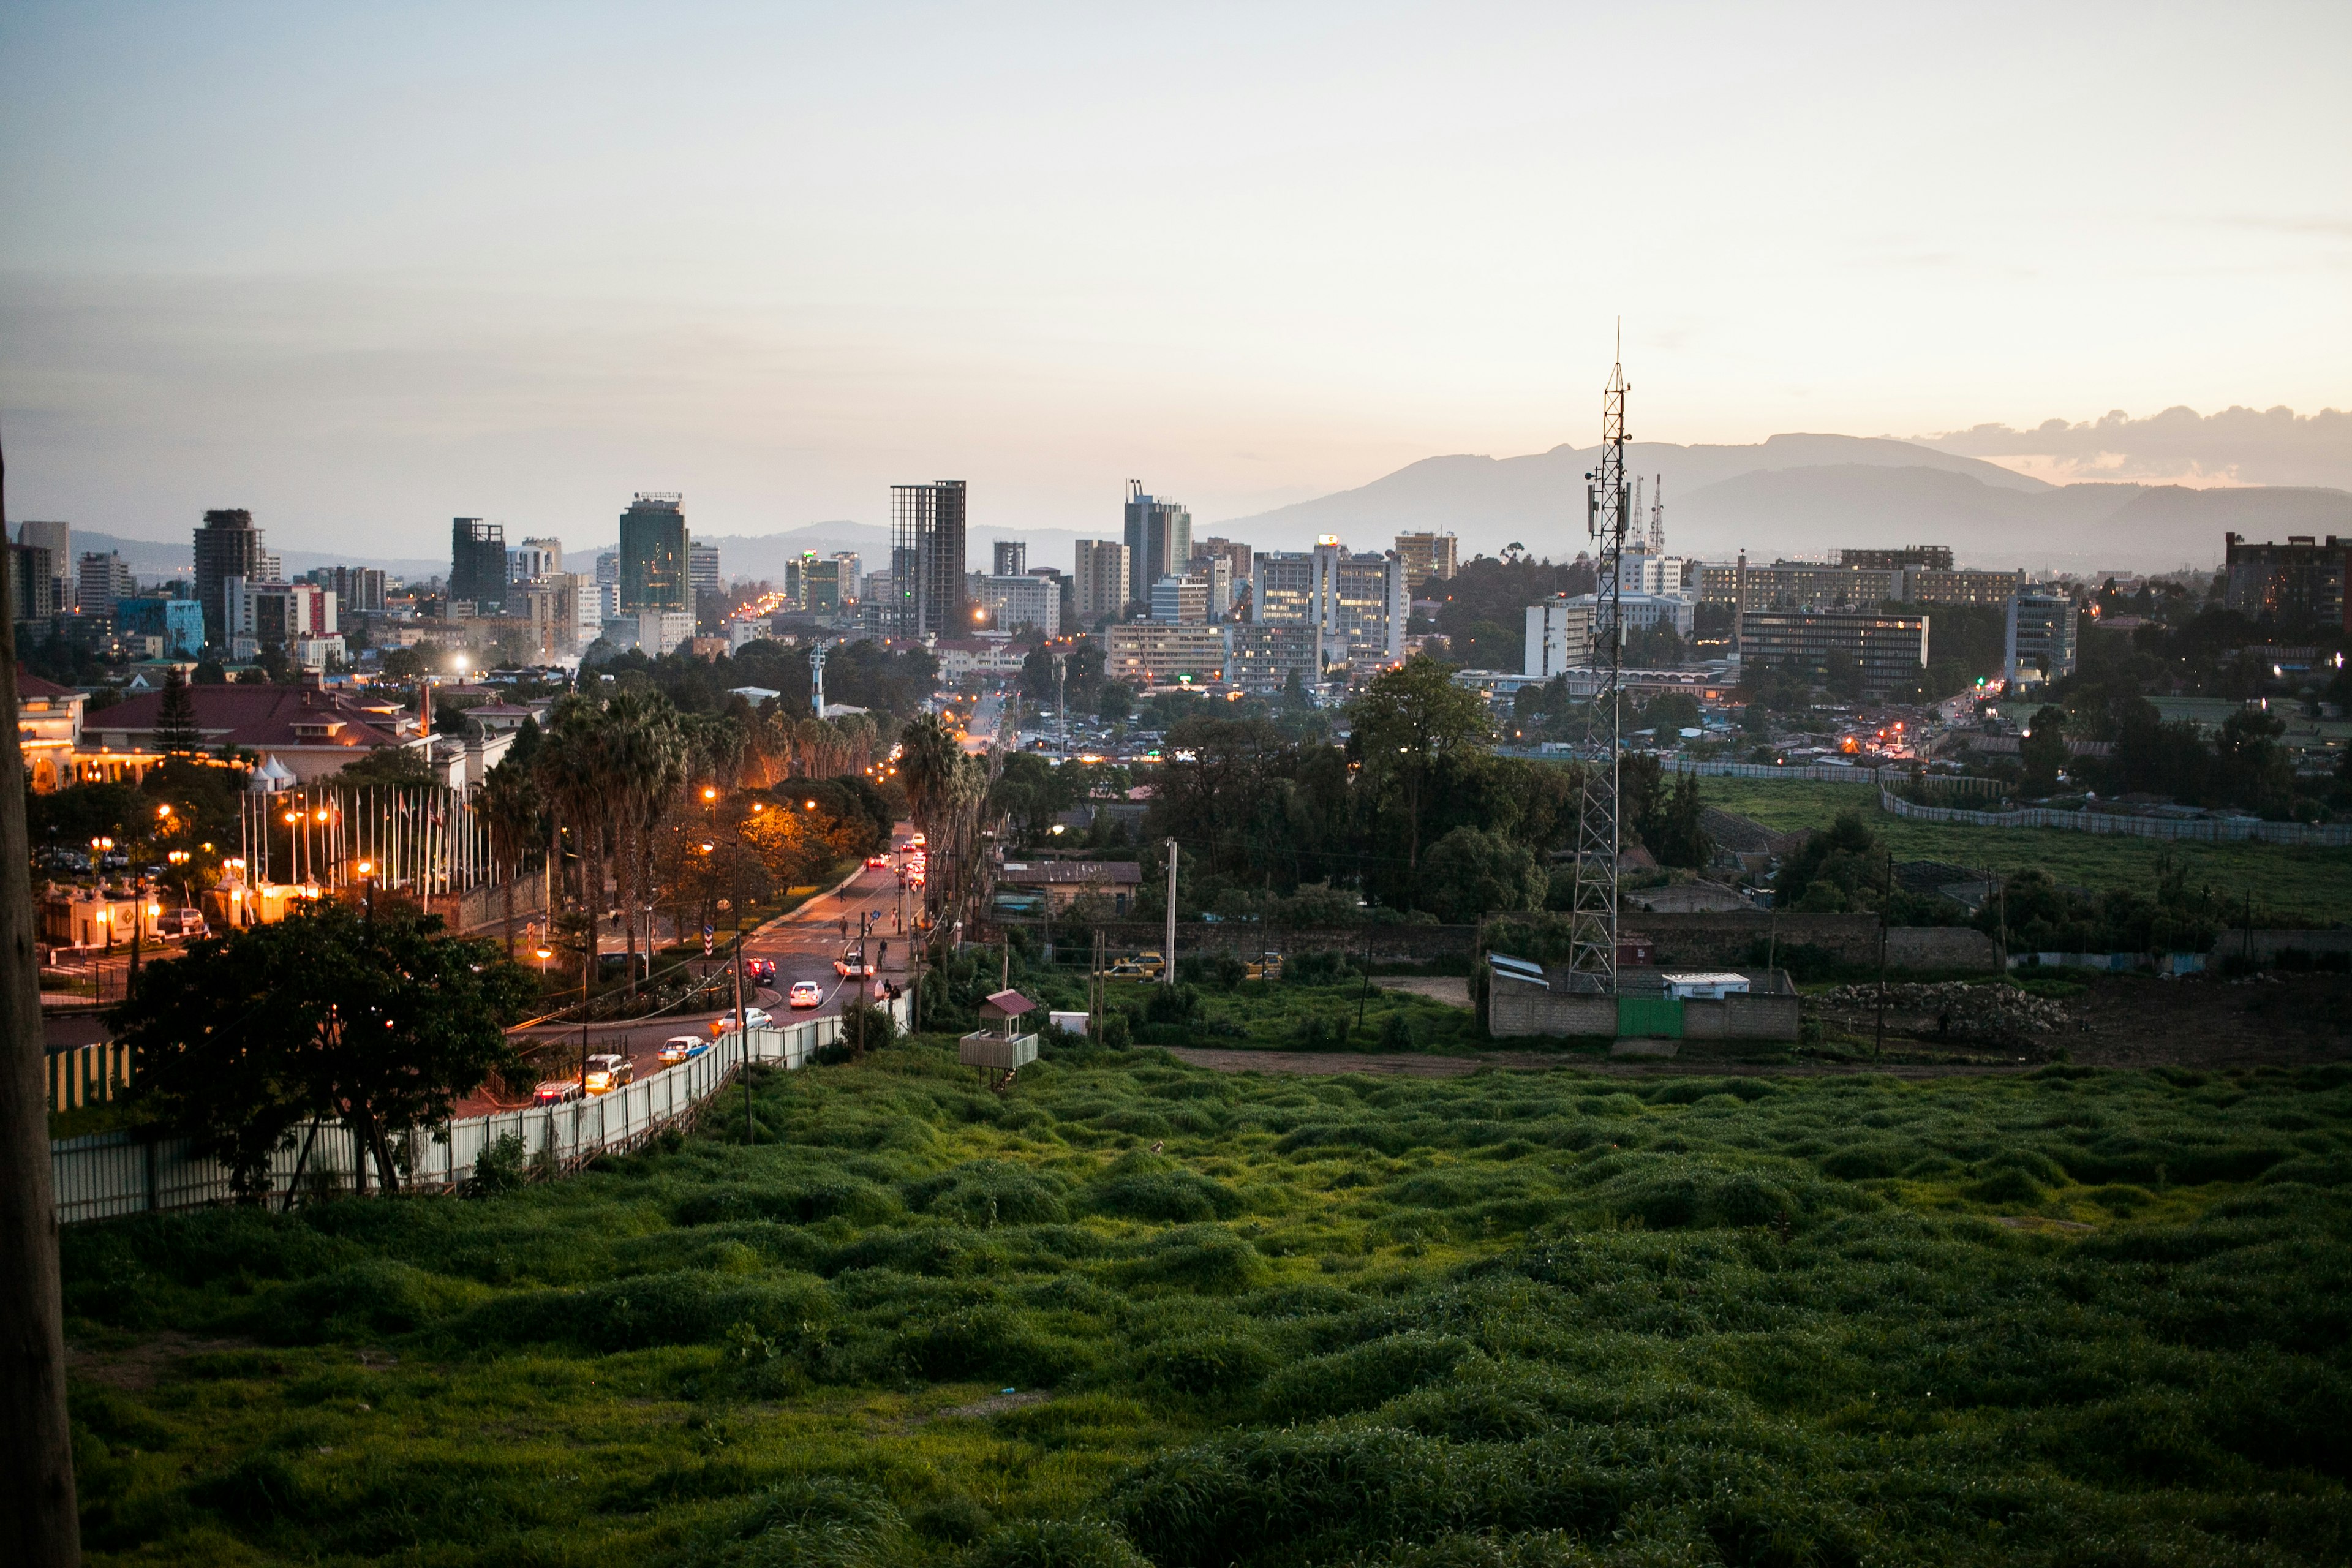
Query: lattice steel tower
[1609, 512]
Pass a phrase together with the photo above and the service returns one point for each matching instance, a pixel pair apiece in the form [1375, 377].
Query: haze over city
[363, 270]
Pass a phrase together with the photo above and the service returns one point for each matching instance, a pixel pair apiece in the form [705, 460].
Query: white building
[1022, 600]
[1560, 636]
[652, 632]
[532, 560]
[1356, 601]
[258, 614]
[702, 568]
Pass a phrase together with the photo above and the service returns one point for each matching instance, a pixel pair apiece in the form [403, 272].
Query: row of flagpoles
[426, 839]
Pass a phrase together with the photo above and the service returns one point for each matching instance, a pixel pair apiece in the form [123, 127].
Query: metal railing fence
[2209, 829]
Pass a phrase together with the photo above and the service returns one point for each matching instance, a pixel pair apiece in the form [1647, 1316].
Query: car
[878, 862]
[807, 994]
[760, 969]
[1124, 970]
[1150, 963]
[682, 1049]
[753, 1018]
[917, 841]
[1267, 967]
[607, 1073]
[557, 1092]
[854, 961]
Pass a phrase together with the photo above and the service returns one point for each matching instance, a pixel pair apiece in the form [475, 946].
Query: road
[802, 945]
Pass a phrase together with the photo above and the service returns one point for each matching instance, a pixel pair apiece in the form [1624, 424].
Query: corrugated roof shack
[1528, 999]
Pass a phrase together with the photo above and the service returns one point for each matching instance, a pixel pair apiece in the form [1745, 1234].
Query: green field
[2079, 1318]
[2290, 886]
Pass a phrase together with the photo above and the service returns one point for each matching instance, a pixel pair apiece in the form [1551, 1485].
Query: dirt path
[1408, 1065]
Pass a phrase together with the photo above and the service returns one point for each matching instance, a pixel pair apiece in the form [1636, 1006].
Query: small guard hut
[997, 1048]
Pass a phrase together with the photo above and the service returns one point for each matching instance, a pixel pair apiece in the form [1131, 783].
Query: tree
[1409, 720]
[1470, 873]
[2041, 753]
[509, 806]
[1674, 833]
[382, 1025]
[175, 719]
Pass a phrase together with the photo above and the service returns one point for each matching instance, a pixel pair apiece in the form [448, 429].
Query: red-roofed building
[49, 732]
[312, 731]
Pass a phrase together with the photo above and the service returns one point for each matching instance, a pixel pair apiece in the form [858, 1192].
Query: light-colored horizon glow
[364, 270]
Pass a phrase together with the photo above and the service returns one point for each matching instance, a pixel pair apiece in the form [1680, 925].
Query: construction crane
[1609, 513]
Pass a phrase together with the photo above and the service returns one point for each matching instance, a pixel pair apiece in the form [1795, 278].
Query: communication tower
[1609, 513]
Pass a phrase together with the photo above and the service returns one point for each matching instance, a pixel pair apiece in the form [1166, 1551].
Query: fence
[86, 1075]
[2207, 829]
[116, 1174]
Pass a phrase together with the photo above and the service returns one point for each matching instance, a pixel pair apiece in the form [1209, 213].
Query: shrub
[358, 1301]
[1205, 1258]
[498, 1168]
[1058, 1544]
[1204, 1365]
[1147, 1186]
[1323, 966]
[986, 1193]
[1363, 1377]
[801, 1200]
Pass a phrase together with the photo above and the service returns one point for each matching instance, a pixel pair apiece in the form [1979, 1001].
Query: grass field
[2289, 885]
[2077, 1318]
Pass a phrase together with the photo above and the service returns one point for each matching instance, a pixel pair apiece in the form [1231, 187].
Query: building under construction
[926, 561]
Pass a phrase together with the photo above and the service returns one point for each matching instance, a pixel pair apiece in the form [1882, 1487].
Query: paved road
[802, 944]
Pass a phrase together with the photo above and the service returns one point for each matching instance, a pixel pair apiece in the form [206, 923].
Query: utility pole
[41, 1524]
[1168, 953]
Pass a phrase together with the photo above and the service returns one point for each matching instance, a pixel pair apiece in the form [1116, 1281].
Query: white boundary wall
[2207, 829]
[116, 1174]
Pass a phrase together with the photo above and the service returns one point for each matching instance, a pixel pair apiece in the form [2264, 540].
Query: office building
[1356, 600]
[1940, 586]
[1890, 650]
[1235, 554]
[33, 580]
[2300, 583]
[821, 592]
[175, 628]
[1008, 557]
[1641, 570]
[1559, 636]
[926, 560]
[1927, 557]
[608, 569]
[1180, 601]
[1159, 541]
[1013, 601]
[532, 560]
[477, 564]
[1428, 558]
[278, 615]
[1144, 653]
[99, 580]
[1215, 574]
[653, 553]
[702, 574]
[1260, 657]
[850, 578]
[2040, 641]
[359, 590]
[652, 632]
[57, 538]
[226, 546]
[1098, 583]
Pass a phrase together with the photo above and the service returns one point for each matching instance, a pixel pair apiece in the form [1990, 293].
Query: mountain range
[1789, 495]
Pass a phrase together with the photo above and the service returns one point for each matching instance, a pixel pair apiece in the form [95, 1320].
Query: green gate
[1649, 1017]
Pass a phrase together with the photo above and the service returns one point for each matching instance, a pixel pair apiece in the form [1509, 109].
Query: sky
[364, 269]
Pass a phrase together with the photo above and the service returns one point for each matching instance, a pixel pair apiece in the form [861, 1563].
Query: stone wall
[1939, 947]
[1246, 938]
[482, 912]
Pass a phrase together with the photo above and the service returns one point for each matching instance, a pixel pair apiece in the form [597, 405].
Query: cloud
[2233, 447]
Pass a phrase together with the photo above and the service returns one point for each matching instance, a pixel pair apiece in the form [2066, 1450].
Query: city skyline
[1375, 248]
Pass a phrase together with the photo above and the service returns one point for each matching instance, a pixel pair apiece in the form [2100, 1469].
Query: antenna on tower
[1608, 515]
[1658, 516]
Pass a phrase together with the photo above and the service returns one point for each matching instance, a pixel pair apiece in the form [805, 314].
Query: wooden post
[40, 1525]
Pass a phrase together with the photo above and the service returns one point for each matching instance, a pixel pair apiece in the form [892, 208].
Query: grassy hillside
[2078, 1317]
[2315, 883]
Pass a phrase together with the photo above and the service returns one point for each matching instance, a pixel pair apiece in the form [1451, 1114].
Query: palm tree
[511, 807]
[646, 765]
[573, 768]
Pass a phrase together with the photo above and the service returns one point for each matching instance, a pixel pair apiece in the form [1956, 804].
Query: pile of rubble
[1953, 1010]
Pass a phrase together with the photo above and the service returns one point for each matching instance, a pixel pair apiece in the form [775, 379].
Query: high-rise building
[33, 579]
[101, 580]
[267, 614]
[1890, 650]
[1159, 541]
[177, 625]
[2302, 582]
[1098, 583]
[702, 569]
[1020, 599]
[1180, 601]
[2040, 634]
[1355, 600]
[477, 564]
[926, 560]
[851, 576]
[57, 538]
[608, 569]
[1265, 658]
[820, 585]
[1009, 558]
[532, 560]
[1559, 634]
[226, 546]
[1144, 653]
[359, 590]
[1428, 558]
[1235, 553]
[653, 553]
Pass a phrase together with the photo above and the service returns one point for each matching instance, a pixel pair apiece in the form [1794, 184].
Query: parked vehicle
[607, 1073]
[682, 1049]
[753, 1018]
[807, 994]
[1267, 967]
[557, 1092]
[1124, 970]
[1151, 963]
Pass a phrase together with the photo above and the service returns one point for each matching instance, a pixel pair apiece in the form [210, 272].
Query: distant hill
[155, 560]
[1806, 494]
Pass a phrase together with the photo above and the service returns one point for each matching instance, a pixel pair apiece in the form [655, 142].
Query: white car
[754, 1017]
[807, 994]
[682, 1047]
